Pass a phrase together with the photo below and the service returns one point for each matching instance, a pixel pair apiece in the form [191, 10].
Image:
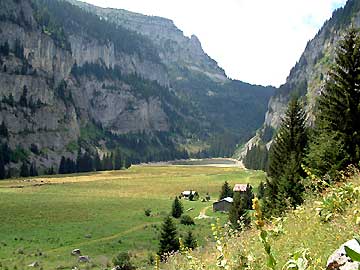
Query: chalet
[187, 193]
[223, 205]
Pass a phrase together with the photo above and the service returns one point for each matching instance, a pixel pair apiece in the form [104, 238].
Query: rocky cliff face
[74, 80]
[175, 49]
[194, 76]
[308, 76]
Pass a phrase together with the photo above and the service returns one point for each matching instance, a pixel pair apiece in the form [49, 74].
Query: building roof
[240, 187]
[188, 192]
[227, 199]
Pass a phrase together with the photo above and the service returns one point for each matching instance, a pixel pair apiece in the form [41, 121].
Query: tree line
[86, 162]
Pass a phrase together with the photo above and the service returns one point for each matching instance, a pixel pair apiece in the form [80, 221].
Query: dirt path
[202, 214]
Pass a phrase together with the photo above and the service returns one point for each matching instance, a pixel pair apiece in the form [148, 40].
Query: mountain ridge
[306, 79]
[73, 83]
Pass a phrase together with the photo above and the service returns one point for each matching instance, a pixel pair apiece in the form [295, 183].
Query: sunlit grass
[102, 213]
[302, 229]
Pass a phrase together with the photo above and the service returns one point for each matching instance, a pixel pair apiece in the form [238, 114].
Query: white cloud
[256, 41]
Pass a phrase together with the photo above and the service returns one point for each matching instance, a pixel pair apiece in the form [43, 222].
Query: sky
[256, 41]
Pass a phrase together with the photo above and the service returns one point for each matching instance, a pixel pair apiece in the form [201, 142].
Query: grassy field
[300, 230]
[43, 219]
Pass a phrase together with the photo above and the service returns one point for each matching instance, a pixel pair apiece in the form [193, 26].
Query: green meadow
[43, 219]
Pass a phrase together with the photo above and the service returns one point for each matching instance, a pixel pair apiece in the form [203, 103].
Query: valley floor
[43, 219]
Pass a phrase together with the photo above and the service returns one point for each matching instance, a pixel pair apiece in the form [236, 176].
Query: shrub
[337, 200]
[187, 220]
[147, 212]
[177, 208]
[122, 261]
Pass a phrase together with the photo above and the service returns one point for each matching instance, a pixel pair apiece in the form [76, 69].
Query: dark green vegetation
[177, 208]
[169, 241]
[336, 139]
[334, 142]
[226, 191]
[122, 262]
[102, 213]
[257, 157]
[190, 241]
[238, 214]
[284, 181]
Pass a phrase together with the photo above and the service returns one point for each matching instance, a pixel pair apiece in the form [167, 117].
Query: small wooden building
[223, 205]
[188, 193]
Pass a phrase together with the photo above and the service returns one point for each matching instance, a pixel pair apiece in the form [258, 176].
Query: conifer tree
[3, 130]
[19, 49]
[8, 173]
[33, 170]
[5, 49]
[62, 168]
[337, 136]
[24, 170]
[117, 160]
[286, 154]
[238, 213]
[190, 240]
[97, 162]
[70, 166]
[226, 191]
[249, 197]
[169, 237]
[23, 98]
[261, 190]
[2, 168]
[50, 171]
[177, 208]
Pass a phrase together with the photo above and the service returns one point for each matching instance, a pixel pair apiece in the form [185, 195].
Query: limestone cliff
[73, 80]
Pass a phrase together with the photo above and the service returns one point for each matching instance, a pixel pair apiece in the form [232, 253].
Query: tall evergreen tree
[5, 153]
[70, 166]
[190, 240]
[285, 158]
[257, 157]
[23, 98]
[84, 162]
[62, 168]
[238, 212]
[5, 49]
[3, 130]
[97, 162]
[24, 170]
[19, 49]
[33, 170]
[169, 241]
[249, 196]
[117, 160]
[337, 136]
[177, 208]
[261, 190]
[2, 168]
[226, 191]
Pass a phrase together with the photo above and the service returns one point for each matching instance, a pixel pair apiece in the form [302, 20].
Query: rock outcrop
[340, 261]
